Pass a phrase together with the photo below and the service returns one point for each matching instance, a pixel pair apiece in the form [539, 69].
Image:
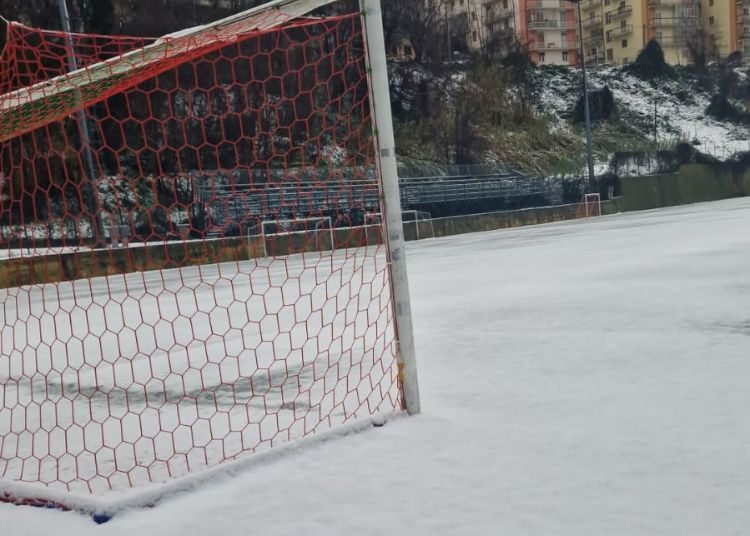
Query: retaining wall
[694, 183]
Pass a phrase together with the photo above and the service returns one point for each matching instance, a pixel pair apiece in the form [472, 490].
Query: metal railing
[456, 189]
[621, 11]
[550, 24]
[625, 30]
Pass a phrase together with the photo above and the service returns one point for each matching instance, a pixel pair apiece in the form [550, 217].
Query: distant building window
[624, 43]
[710, 2]
[474, 36]
[541, 57]
[711, 20]
[610, 54]
[565, 55]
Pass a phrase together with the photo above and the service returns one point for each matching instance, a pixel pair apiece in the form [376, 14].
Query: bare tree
[701, 43]
[422, 21]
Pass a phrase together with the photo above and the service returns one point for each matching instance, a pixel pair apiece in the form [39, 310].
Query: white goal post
[191, 352]
[414, 217]
[380, 102]
[303, 227]
[592, 205]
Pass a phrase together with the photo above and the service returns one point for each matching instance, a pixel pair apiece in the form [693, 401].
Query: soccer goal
[590, 206]
[419, 221]
[122, 367]
[293, 235]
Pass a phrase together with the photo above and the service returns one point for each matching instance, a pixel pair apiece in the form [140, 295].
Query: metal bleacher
[301, 196]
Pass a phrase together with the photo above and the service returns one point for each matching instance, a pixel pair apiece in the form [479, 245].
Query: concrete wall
[694, 183]
[492, 221]
[88, 264]
[97, 263]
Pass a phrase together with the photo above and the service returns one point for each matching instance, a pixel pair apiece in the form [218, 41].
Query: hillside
[529, 121]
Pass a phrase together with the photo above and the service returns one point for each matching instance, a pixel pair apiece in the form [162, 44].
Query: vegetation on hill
[452, 106]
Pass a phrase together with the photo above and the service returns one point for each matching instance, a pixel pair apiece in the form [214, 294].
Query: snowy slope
[581, 378]
[680, 103]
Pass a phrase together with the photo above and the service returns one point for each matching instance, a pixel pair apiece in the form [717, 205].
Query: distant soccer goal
[418, 221]
[293, 235]
[177, 286]
[590, 206]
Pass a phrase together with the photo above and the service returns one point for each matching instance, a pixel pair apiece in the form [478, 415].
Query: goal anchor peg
[378, 422]
[101, 519]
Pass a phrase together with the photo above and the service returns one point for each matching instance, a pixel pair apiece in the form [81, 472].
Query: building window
[624, 43]
[565, 55]
[541, 57]
[711, 3]
[474, 36]
[711, 20]
[610, 54]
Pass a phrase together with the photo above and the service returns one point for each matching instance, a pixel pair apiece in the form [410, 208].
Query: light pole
[89, 187]
[587, 111]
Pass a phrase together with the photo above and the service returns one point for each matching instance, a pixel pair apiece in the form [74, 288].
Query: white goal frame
[263, 235]
[384, 162]
[592, 200]
[376, 218]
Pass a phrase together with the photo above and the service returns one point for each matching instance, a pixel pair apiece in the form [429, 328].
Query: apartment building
[549, 29]
[487, 22]
[672, 23]
[614, 31]
[728, 23]
[741, 25]
[592, 15]
[629, 24]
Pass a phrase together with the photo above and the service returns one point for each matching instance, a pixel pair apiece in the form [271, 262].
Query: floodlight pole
[586, 108]
[380, 104]
[89, 184]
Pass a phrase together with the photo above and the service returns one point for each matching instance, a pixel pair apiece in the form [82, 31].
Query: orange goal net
[186, 274]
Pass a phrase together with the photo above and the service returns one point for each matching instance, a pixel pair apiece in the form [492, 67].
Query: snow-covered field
[581, 378]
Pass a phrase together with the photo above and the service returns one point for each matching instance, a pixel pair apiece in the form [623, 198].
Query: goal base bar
[103, 510]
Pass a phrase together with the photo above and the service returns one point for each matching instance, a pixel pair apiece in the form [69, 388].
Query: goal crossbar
[28, 108]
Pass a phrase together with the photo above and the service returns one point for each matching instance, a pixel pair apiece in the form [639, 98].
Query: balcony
[666, 3]
[619, 32]
[592, 21]
[557, 5]
[595, 59]
[588, 5]
[541, 47]
[550, 25]
[624, 10]
[667, 22]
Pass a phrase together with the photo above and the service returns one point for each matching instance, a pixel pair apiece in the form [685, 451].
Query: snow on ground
[580, 378]
[679, 103]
